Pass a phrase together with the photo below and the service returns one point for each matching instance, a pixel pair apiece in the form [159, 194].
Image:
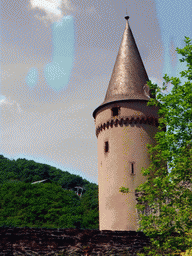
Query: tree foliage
[165, 199]
[53, 204]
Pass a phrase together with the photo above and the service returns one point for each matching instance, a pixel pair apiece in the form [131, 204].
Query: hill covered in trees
[54, 204]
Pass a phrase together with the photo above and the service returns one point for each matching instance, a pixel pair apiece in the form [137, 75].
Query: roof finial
[126, 17]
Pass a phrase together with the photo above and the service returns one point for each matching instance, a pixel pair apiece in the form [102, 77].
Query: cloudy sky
[56, 61]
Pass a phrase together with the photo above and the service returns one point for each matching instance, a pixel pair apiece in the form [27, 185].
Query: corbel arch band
[126, 121]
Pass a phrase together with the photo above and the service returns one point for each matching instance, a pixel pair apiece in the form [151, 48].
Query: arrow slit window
[106, 149]
[132, 167]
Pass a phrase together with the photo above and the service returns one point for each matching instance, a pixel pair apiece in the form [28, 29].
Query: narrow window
[132, 168]
[115, 111]
[106, 146]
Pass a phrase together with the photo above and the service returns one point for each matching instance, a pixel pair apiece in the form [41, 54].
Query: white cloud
[56, 9]
[50, 6]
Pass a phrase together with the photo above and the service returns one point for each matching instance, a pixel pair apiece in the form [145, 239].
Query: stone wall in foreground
[43, 241]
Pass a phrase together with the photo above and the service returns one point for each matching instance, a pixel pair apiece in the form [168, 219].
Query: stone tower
[124, 125]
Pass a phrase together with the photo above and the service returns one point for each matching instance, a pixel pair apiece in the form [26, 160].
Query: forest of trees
[52, 205]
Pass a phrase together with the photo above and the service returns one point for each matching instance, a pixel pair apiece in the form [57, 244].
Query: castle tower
[124, 125]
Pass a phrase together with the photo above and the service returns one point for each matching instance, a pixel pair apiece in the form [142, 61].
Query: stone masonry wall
[43, 241]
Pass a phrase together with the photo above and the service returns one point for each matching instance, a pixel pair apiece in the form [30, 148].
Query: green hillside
[53, 204]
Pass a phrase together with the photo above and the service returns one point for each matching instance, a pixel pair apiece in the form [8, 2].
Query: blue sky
[56, 61]
[176, 23]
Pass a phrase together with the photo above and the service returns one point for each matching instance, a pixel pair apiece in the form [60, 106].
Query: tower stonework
[124, 126]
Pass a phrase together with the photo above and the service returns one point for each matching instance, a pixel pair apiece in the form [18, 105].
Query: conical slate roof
[129, 78]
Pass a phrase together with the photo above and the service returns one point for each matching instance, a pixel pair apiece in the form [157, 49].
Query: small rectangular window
[106, 146]
[115, 111]
[132, 168]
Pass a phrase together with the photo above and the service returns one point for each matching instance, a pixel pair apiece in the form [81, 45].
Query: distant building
[78, 190]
